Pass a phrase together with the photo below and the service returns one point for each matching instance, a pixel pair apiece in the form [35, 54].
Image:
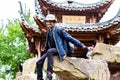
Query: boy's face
[50, 24]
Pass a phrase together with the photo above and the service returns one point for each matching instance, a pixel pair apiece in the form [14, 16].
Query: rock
[104, 66]
[28, 70]
[106, 52]
[29, 66]
[115, 76]
[81, 69]
[111, 54]
[18, 74]
[27, 77]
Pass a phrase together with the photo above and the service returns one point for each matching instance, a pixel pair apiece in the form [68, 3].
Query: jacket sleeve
[71, 39]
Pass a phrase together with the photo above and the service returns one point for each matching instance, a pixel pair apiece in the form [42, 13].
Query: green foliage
[28, 17]
[12, 48]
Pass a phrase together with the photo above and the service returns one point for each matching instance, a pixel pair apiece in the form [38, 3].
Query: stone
[110, 53]
[81, 69]
[18, 74]
[27, 77]
[29, 66]
[115, 76]
[28, 72]
[104, 65]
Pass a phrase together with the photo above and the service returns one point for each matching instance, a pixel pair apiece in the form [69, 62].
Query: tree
[12, 49]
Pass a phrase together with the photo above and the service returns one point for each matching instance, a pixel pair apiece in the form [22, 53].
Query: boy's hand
[90, 48]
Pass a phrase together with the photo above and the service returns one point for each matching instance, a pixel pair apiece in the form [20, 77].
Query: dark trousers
[49, 54]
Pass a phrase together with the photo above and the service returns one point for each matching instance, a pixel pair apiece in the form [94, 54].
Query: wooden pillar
[100, 39]
[48, 12]
[38, 47]
[108, 37]
[93, 19]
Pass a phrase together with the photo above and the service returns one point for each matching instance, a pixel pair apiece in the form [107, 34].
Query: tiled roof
[92, 27]
[38, 10]
[89, 27]
[78, 6]
[118, 30]
[83, 27]
[23, 20]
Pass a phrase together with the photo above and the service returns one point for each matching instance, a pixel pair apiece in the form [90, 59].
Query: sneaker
[40, 79]
[49, 76]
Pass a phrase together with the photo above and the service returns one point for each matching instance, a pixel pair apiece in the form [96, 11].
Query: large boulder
[103, 66]
[109, 53]
[27, 77]
[115, 76]
[81, 69]
[28, 70]
[29, 66]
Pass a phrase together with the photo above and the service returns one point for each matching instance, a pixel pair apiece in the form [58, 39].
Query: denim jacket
[62, 39]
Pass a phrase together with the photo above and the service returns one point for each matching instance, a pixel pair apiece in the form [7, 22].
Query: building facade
[78, 19]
